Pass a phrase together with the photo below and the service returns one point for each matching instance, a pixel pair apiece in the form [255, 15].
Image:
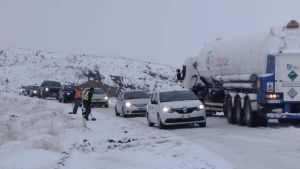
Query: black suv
[65, 93]
[49, 89]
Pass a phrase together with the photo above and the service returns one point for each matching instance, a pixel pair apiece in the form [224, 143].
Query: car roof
[183, 89]
[131, 90]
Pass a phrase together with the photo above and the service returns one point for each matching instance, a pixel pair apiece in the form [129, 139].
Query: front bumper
[99, 102]
[288, 116]
[188, 118]
[135, 110]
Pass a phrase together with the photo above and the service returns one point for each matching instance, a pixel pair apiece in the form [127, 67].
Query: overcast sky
[165, 31]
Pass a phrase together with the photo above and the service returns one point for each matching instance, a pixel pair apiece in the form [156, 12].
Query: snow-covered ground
[28, 67]
[39, 134]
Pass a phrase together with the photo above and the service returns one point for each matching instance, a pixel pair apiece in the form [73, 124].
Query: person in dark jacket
[87, 100]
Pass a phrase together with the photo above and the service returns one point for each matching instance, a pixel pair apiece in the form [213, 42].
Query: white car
[132, 102]
[175, 107]
[99, 97]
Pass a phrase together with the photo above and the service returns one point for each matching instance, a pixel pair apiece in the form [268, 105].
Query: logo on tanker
[215, 61]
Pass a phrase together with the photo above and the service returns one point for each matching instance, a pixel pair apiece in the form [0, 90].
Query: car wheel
[160, 123]
[123, 113]
[150, 124]
[63, 99]
[117, 114]
[203, 124]
[44, 97]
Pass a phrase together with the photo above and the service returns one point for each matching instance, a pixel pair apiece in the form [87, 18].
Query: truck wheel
[250, 116]
[230, 114]
[238, 111]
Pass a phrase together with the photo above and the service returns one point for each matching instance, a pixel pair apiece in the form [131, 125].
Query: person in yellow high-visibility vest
[87, 99]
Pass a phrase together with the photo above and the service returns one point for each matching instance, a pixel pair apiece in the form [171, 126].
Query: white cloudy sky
[156, 30]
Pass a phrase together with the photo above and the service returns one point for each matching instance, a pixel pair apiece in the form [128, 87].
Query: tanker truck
[251, 79]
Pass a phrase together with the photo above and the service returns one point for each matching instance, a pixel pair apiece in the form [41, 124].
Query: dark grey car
[50, 89]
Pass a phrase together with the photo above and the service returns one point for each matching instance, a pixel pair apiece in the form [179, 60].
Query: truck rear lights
[272, 96]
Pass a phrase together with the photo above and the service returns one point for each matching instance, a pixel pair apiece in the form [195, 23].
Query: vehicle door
[119, 102]
[60, 93]
[153, 107]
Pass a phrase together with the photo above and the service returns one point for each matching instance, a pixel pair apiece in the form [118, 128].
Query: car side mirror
[154, 102]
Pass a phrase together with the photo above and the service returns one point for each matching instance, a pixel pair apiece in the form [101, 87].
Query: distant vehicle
[27, 90]
[132, 103]
[50, 89]
[65, 93]
[34, 91]
[22, 90]
[175, 107]
[99, 98]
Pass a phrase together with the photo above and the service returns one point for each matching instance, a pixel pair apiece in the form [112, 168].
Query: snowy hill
[26, 67]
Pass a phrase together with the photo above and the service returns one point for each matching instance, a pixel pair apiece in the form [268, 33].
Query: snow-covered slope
[26, 67]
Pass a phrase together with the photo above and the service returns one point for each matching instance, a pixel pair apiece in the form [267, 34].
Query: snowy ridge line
[28, 67]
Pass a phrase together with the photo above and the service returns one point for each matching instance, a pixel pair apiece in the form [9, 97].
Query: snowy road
[42, 129]
[246, 148]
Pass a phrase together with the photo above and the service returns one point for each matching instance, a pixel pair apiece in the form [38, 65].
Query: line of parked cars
[63, 93]
[164, 108]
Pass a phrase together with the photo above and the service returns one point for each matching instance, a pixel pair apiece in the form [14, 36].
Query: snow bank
[40, 134]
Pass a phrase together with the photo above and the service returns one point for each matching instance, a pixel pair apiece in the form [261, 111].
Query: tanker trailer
[251, 79]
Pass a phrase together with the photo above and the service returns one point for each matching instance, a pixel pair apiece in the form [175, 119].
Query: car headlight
[167, 109]
[106, 98]
[200, 107]
[68, 93]
[47, 89]
[127, 104]
[34, 91]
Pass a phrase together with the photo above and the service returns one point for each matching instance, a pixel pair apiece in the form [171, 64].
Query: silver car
[132, 102]
[99, 98]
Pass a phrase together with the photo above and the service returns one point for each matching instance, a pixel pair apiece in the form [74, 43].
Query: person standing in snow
[77, 99]
[87, 100]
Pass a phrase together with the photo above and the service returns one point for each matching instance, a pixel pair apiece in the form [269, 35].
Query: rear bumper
[290, 116]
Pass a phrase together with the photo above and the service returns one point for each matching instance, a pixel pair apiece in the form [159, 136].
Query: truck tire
[238, 113]
[229, 110]
[249, 115]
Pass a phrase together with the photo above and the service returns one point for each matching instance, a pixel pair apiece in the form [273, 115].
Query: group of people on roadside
[87, 100]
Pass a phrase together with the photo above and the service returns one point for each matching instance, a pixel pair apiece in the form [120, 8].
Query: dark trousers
[87, 111]
[77, 103]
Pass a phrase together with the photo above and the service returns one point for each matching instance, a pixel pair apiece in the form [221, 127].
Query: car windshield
[53, 84]
[98, 91]
[36, 87]
[135, 95]
[69, 88]
[177, 96]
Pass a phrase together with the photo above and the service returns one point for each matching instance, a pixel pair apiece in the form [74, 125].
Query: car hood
[138, 101]
[98, 96]
[181, 104]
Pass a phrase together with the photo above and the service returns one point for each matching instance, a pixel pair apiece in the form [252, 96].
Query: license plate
[141, 109]
[183, 116]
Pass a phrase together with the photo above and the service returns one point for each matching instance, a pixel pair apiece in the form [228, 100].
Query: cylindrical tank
[244, 55]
